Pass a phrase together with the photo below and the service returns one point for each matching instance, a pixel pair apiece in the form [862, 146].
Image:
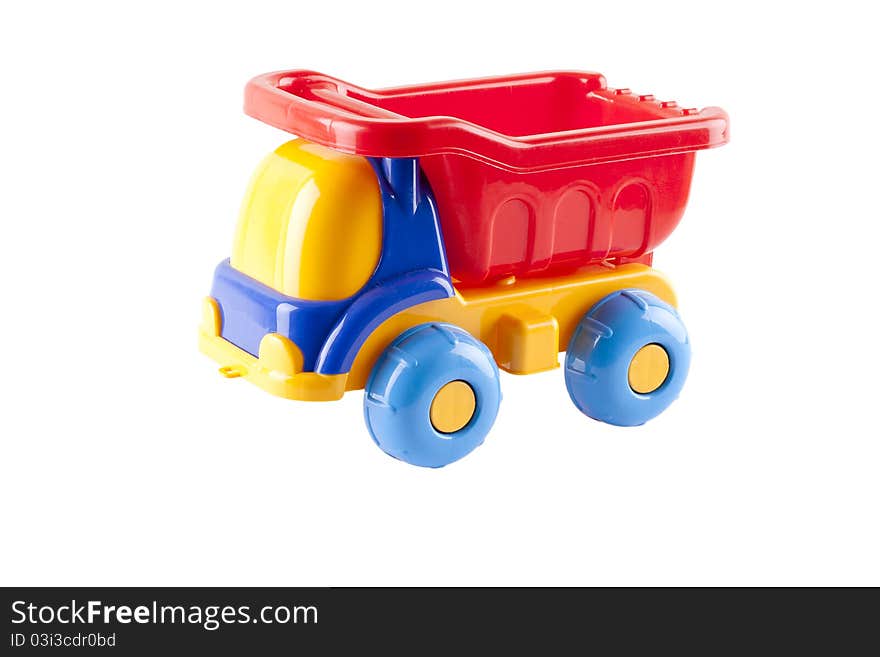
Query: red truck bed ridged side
[533, 174]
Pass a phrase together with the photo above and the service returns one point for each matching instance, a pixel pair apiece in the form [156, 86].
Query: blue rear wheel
[432, 396]
[628, 358]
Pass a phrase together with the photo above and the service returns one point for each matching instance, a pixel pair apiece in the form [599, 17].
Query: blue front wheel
[432, 396]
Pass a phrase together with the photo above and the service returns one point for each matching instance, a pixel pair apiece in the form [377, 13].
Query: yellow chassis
[525, 323]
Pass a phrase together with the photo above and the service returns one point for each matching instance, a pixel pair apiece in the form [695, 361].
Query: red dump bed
[533, 174]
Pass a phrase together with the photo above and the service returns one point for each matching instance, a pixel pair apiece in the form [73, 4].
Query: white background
[127, 460]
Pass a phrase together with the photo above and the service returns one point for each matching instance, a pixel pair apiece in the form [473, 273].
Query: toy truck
[412, 241]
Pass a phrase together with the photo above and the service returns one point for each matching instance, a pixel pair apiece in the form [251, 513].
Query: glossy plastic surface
[453, 407]
[407, 379]
[278, 367]
[497, 223]
[607, 340]
[500, 316]
[529, 122]
[551, 189]
[532, 174]
[301, 199]
[524, 323]
[323, 250]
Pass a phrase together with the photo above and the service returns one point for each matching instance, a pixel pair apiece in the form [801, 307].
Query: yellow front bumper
[277, 370]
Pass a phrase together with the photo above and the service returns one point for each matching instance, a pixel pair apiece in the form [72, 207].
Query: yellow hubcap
[648, 369]
[453, 407]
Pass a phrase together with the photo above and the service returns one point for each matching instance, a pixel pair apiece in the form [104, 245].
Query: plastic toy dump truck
[412, 241]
